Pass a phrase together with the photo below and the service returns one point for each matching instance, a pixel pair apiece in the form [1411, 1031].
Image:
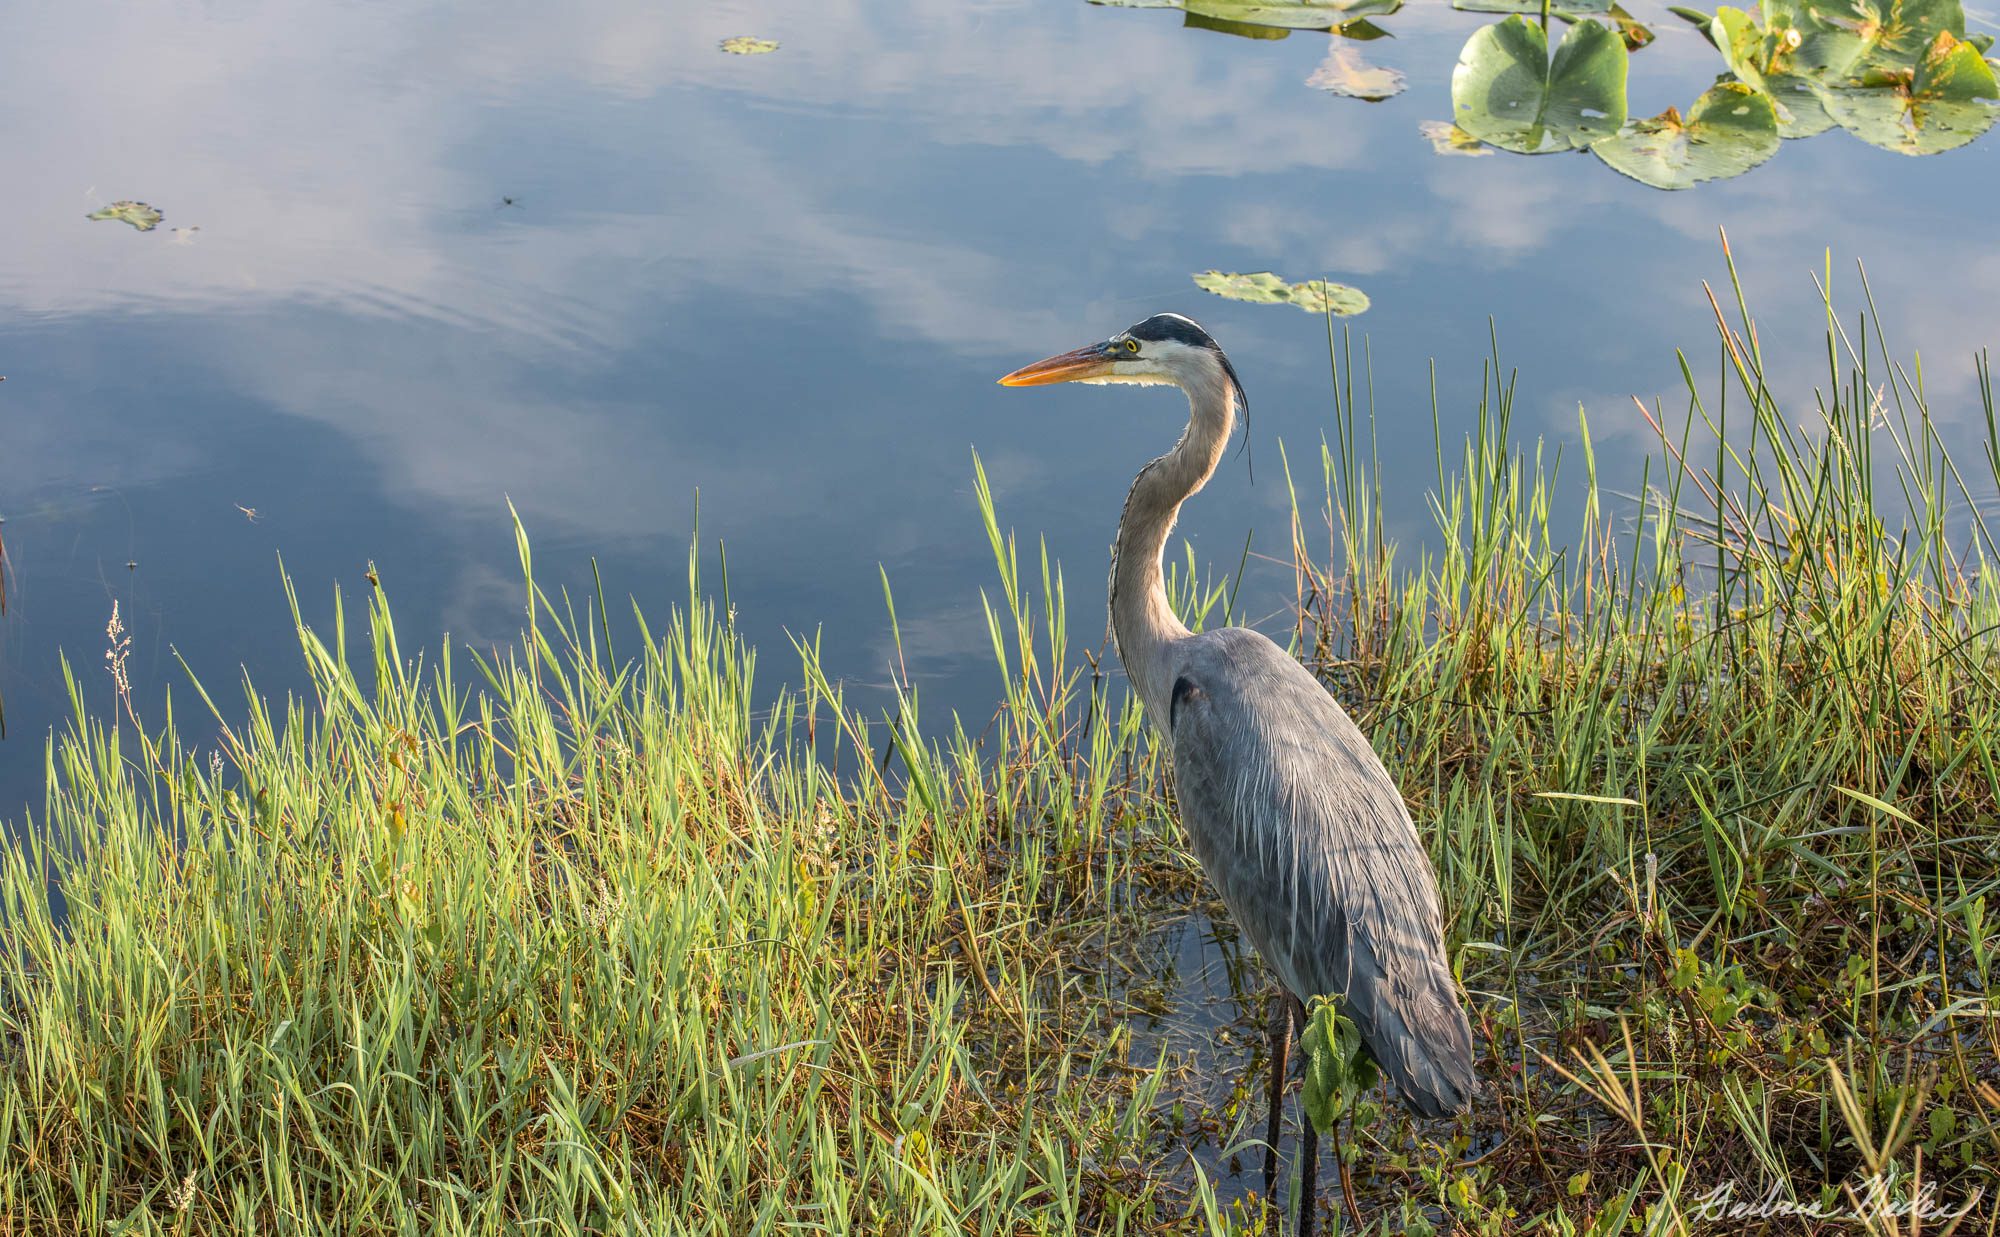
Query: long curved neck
[1143, 625]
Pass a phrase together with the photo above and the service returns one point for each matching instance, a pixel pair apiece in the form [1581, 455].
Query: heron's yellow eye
[1131, 345]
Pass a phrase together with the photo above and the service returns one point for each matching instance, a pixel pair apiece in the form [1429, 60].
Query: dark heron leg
[1308, 1167]
[1281, 1039]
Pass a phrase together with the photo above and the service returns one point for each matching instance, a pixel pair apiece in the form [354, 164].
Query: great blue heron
[1289, 809]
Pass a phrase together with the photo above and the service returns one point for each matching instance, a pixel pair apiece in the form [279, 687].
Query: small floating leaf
[1241, 29]
[1635, 35]
[1344, 72]
[138, 214]
[1728, 131]
[1532, 7]
[1361, 30]
[1274, 14]
[1507, 91]
[1316, 296]
[744, 45]
[1447, 138]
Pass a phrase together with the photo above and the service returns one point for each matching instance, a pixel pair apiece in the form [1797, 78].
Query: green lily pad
[1761, 53]
[1850, 37]
[1946, 101]
[1532, 8]
[1508, 92]
[1729, 130]
[1274, 14]
[1630, 29]
[1315, 296]
[138, 214]
[744, 45]
[1447, 138]
[1241, 29]
[1344, 72]
[1361, 30]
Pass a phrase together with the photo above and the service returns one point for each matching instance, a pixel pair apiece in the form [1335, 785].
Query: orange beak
[1089, 362]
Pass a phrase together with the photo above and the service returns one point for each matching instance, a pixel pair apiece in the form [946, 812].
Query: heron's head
[1165, 348]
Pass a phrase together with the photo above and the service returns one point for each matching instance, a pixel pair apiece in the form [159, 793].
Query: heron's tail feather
[1418, 1033]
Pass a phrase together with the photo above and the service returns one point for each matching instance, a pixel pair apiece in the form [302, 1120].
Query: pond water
[413, 265]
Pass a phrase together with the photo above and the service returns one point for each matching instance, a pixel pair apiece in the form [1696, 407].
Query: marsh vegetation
[596, 935]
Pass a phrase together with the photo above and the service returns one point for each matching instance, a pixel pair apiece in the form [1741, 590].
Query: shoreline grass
[591, 940]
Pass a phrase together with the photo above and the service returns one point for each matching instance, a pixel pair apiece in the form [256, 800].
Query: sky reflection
[788, 281]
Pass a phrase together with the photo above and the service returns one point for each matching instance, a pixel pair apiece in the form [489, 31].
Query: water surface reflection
[596, 265]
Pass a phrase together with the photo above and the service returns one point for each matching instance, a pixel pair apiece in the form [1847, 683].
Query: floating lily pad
[1361, 30]
[138, 214]
[1507, 91]
[1344, 72]
[1533, 7]
[1946, 101]
[1629, 29]
[1274, 14]
[1729, 130]
[744, 45]
[1901, 75]
[1850, 37]
[1241, 29]
[1761, 54]
[1315, 296]
[1447, 138]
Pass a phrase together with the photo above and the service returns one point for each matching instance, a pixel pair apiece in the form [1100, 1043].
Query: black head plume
[1185, 330]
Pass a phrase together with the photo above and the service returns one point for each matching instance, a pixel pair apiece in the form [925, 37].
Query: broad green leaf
[1319, 1043]
[1338, 1068]
[1946, 101]
[138, 214]
[1344, 72]
[744, 45]
[1507, 91]
[1729, 130]
[1317, 296]
[1447, 138]
[1274, 14]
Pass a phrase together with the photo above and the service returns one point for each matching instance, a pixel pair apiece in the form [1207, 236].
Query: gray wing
[1303, 832]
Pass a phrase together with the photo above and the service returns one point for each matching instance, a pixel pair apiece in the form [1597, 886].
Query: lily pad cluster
[1315, 296]
[1899, 74]
[1508, 91]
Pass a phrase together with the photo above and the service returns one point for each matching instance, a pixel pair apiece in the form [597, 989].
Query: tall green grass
[590, 939]
[1711, 780]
